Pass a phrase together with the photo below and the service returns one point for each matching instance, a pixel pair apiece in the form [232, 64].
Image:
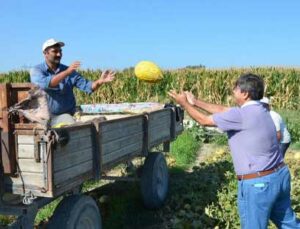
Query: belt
[260, 174]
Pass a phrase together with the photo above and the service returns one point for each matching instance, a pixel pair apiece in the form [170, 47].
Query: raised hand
[107, 76]
[73, 67]
[190, 97]
[179, 98]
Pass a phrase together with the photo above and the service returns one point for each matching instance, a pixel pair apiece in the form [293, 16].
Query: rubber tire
[154, 181]
[76, 212]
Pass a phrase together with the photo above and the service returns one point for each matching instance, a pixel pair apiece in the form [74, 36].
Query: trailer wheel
[154, 181]
[76, 212]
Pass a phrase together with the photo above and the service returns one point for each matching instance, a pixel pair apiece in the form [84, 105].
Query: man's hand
[106, 76]
[190, 97]
[73, 67]
[64, 74]
[179, 98]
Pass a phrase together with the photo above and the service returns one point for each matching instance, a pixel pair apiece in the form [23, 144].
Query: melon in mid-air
[148, 71]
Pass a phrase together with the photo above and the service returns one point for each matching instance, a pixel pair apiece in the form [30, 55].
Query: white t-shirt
[280, 126]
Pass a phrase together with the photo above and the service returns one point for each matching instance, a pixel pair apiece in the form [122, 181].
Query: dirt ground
[133, 214]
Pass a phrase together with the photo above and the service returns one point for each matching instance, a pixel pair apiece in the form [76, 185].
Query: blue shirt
[251, 136]
[61, 99]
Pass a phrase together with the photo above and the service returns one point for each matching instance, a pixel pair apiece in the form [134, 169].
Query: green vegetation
[282, 85]
[292, 120]
[45, 212]
[184, 149]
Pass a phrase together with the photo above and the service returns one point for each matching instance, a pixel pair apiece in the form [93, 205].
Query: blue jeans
[264, 198]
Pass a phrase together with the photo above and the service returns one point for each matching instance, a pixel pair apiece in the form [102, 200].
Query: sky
[117, 34]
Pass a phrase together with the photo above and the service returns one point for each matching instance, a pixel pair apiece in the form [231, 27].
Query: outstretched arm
[199, 117]
[62, 75]
[209, 107]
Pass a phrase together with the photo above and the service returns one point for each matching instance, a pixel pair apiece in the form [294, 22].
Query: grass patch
[295, 146]
[46, 212]
[184, 149]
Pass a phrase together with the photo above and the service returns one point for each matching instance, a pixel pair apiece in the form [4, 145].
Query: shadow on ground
[190, 192]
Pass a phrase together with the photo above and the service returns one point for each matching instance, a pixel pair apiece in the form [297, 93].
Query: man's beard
[56, 60]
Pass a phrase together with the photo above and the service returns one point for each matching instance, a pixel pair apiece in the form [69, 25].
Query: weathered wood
[157, 115]
[119, 143]
[158, 133]
[78, 133]
[29, 165]
[7, 141]
[127, 157]
[163, 121]
[76, 145]
[36, 191]
[25, 139]
[64, 161]
[26, 151]
[115, 134]
[70, 164]
[121, 123]
[65, 175]
[28, 126]
[72, 183]
[22, 86]
[132, 148]
[26, 179]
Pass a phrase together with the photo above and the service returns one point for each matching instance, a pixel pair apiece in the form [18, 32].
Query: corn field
[282, 85]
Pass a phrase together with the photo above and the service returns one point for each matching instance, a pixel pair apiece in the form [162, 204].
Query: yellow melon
[148, 71]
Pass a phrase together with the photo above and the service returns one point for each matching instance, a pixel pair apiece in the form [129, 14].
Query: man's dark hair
[251, 83]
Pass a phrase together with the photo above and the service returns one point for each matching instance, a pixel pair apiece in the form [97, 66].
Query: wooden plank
[26, 179]
[79, 133]
[30, 165]
[121, 142]
[72, 183]
[36, 191]
[64, 161]
[128, 157]
[8, 156]
[25, 139]
[121, 132]
[164, 121]
[159, 133]
[159, 114]
[121, 123]
[26, 151]
[178, 128]
[74, 145]
[24, 86]
[129, 149]
[65, 175]
[162, 127]
[20, 127]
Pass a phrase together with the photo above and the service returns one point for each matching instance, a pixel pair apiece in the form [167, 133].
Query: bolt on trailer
[40, 163]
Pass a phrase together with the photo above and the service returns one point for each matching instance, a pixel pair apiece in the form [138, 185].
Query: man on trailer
[58, 81]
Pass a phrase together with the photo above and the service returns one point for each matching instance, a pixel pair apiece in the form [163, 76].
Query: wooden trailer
[39, 165]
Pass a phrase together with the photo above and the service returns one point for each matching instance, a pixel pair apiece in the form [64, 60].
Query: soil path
[204, 151]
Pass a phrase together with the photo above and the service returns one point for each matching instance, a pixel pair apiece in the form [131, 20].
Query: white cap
[51, 42]
[265, 100]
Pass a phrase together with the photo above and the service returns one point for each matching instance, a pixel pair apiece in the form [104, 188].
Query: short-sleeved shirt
[251, 136]
[280, 126]
[61, 99]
